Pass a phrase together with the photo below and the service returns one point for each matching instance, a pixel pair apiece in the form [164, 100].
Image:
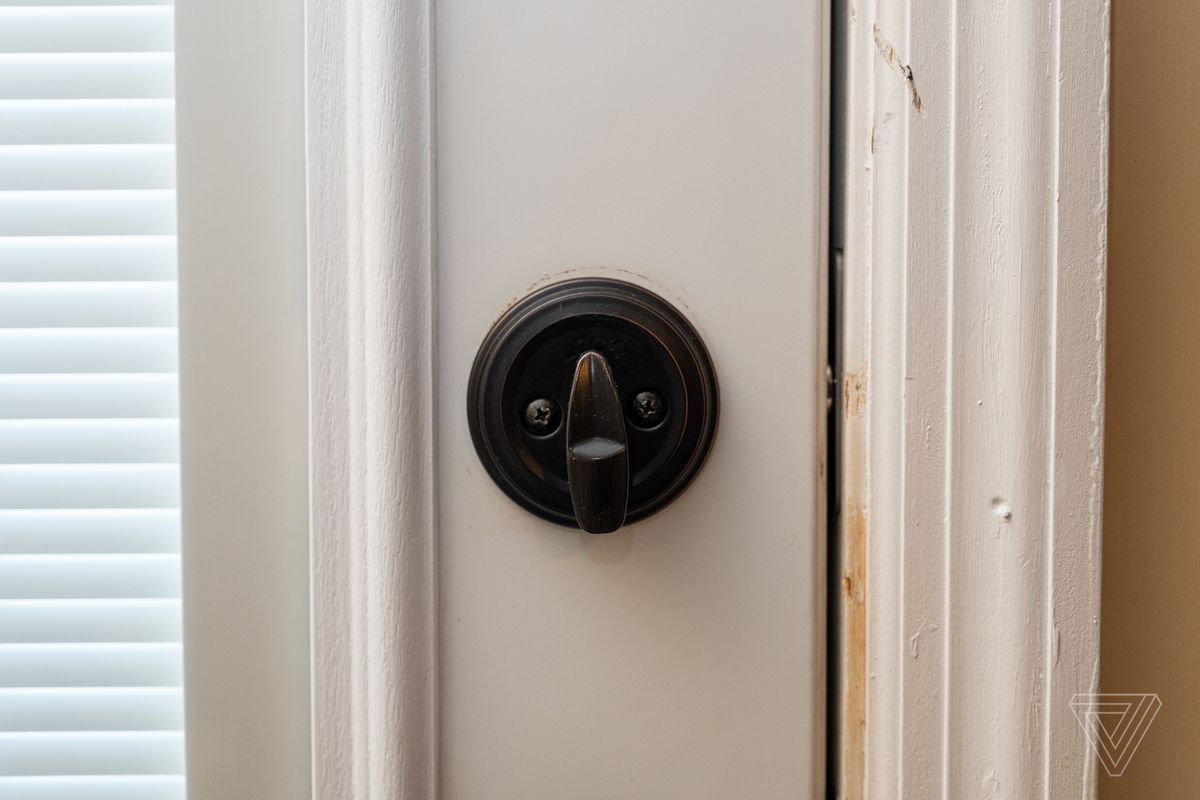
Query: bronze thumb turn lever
[597, 448]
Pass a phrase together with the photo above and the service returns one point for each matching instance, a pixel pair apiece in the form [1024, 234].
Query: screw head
[542, 416]
[648, 409]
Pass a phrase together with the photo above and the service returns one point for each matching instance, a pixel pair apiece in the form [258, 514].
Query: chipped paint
[854, 394]
[854, 652]
[888, 53]
[854, 531]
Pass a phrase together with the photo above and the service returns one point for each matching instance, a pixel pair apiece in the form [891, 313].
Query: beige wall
[1151, 612]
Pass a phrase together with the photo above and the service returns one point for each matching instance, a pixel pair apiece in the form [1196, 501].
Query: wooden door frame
[972, 395]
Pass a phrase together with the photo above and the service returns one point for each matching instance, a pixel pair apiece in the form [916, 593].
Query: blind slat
[93, 787]
[87, 304]
[88, 441]
[76, 76]
[89, 530]
[86, 166]
[82, 121]
[83, 213]
[40, 665]
[89, 485]
[87, 258]
[112, 29]
[91, 350]
[25, 396]
[89, 576]
[91, 753]
[139, 708]
[74, 621]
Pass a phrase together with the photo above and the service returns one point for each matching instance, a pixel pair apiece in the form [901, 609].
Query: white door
[681, 146]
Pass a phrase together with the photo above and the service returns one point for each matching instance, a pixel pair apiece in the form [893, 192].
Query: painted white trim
[975, 295]
[243, 374]
[370, 205]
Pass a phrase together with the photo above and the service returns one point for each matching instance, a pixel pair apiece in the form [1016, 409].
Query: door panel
[679, 145]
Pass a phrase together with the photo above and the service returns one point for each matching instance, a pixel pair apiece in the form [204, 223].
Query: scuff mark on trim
[904, 70]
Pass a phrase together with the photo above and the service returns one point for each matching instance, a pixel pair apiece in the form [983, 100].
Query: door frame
[936, 439]
[972, 395]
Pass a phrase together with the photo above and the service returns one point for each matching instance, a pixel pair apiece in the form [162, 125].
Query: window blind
[90, 663]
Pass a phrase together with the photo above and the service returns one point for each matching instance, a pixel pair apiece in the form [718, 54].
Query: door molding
[973, 395]
[371, 282]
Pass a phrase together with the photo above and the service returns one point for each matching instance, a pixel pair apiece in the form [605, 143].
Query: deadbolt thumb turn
[592, 402]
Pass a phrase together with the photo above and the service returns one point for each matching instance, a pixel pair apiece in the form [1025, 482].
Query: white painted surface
[243, 400]
[975, 310]
[370, 202]
[680, 145]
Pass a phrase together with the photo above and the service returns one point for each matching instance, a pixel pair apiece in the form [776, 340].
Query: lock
[592, 403]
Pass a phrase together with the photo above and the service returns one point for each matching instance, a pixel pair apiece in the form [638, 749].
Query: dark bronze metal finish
[648, 409]
[542, 416]
[597, 450]
[639, 391]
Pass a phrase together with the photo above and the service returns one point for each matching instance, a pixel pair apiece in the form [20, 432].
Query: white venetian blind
[90, 661]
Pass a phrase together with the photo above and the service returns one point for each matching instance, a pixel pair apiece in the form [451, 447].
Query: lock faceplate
[520, 391]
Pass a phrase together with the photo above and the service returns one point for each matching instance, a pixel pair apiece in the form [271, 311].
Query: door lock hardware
[592, 403]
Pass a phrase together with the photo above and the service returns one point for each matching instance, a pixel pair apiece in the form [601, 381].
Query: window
[90, 663]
